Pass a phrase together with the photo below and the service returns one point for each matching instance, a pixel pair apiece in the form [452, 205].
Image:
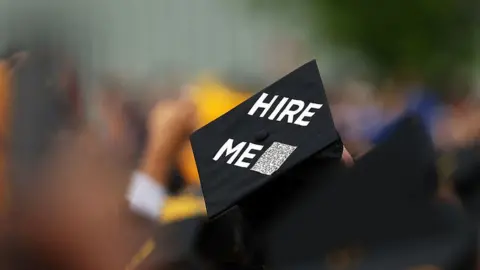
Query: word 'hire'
[292, 108]
[269, 162]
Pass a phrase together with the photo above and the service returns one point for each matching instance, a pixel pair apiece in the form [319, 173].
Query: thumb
[346, 157]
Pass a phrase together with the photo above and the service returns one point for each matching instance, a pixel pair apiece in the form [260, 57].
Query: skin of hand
[346, 157]
[170, 124]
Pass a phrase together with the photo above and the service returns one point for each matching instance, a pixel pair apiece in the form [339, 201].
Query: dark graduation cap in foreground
[380, 214]
[466, 178]
[195, 243]
[257, 142]
[176, 246]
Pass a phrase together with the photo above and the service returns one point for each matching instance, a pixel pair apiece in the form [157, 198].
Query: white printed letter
[278, 108]
[229, 149]
[289, 112]
[247, 155]
[307, 113]
[260, 103]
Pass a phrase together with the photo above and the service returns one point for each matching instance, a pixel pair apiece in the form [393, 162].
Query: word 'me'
[287, 107]
[270, 161]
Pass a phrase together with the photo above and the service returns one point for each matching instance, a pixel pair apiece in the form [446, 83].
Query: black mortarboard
[466, 178]
[197, 243]
[380, 214]
[227, 242]
[263, 138]
[176, 245]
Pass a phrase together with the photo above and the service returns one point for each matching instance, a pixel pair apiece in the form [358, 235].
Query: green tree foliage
[429, 38]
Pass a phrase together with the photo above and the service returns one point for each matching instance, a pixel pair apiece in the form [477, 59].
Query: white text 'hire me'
[285, 108]
[240, 154]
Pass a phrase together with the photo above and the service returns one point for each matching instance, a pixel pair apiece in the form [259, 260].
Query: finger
[346, 157]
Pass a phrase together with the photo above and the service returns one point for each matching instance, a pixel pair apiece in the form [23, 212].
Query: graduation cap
[466, 179]
[261, 139]
[197, 243]
[176, 246]
[379, 214]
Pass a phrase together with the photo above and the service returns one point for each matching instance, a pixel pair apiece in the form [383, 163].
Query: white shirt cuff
[146, 196]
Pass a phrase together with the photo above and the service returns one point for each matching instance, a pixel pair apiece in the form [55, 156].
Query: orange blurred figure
[212, 100]
[5, 101]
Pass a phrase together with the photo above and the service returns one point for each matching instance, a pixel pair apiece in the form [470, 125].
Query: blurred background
[366, 51]
[115, 59]
[377, 59]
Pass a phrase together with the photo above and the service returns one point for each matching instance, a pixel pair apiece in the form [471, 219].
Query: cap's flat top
[264, 136]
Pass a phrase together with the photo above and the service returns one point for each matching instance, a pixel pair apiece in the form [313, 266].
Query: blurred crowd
[64, 175]
[365, 114]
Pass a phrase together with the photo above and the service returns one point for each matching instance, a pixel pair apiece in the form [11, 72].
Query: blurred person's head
[358, 93]
[460, 127]
[392, 102]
